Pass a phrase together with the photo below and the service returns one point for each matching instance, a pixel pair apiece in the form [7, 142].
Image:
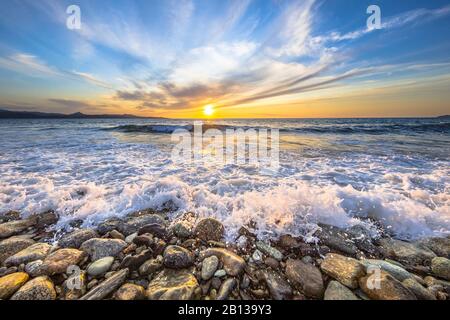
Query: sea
[387, 175]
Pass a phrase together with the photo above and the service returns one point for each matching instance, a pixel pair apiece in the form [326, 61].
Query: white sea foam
[94, 175]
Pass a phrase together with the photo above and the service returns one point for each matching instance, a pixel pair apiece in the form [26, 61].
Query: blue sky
[257, 58]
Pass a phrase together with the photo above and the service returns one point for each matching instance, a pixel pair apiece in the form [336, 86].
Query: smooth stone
[46, 219]
[176, 257]
[419, 291]
[134, 224]
[110, 225]
[12, 228]
[386, 287]
[220, 273]
[108, 286]
[441, 267]
[172, 284]
[75, 239]
[98, 248]
[440, 246]
[257, 256]
[209, 267]
[288, 242]
[100, 267]
[11, 283]
[337, 291]
[406, 252]
[58, 261]
[232, 263]
[337, 239]
[33, 268]
[151, 266]
[306, 277]
[37, 251]
[158, 230]
[131, 238]
[397, 272]
[13, 245]
[271, 262]
[226, 288]
[278, 287]
[345, 270]
[270, 251]
[431, 281]
[40, 288]
[129, 292]
[116, 235]
[209, 229]
[183, 228]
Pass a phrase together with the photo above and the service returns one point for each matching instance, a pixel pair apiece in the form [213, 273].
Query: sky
[242, 59]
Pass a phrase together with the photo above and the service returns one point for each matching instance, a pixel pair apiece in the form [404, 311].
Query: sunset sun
[208, 110]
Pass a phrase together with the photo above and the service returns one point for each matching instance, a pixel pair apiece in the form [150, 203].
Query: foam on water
[83, 172]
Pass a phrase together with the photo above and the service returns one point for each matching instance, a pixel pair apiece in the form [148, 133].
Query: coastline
[143, 256]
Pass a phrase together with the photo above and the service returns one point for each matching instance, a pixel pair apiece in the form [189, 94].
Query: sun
[208, 110]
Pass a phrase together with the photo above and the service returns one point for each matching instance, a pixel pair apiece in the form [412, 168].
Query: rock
[100, 248]
[13, 245]
[100, 267]
[270, 251]
[75, 239]
[143, 240]
[232, 263]
[209, 267]
[12, 228]
[46, 219]
[58, 261]
[116, 235]
[172, 285]
[183, 228]
[130, 292]
[209, 229]
[176, 257]
[440, 246]
[226, 288]
[133, 225]
[288, 242]
[220, 273]
[362, 238]
[419, 291]
[337, 291]
[158, 230]
[134, 262]
[278, 287]
[108, 286]
[40, 288]
[386, 287]
[305, 277]
[441, 267]
[345, 270]
[271, 262]
[37, 251]
[430, 281]
[151, 266]
[11, 283]
[131, 238]
[33, 268]
[336, 239]
[257, 256]
[110, 225]
[394, 270]
[406, 252]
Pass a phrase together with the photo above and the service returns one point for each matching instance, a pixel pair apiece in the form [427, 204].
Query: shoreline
[142, 256]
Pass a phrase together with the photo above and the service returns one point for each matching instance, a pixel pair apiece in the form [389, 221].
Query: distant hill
[444, 117]
[6, 114]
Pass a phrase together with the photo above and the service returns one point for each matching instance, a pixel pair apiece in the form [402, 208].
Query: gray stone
[98, 248]
[337, 291]
[306, 278]
[75, 239]
[270, 251]
[134, 224]
[406, 252]
[151, 266]
[12, 228]
[209, 229]
[440, 246]
[209, 267]
[220, 273]
[397, 272]
[278, 287]
[37, 251]
[226, 288]
[33, 268]
[172, 284]
[100, 267]
[336, 239]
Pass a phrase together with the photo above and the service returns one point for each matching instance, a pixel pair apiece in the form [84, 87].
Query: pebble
[40, 288]
[171, 284]
[270, 251]
[226, 288]
[346, 270]
[58, 261]
[232, 263]
[337, 291]
[176, 257]
[13, 245]
[100, 267]
[306, 277]
[209, 229]
[11, 283]
[129, 292]
[76, 238]
[220, 273]
[441, 267]
[385, 287]
[209, 267]
[37, 251]
[98, 248]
